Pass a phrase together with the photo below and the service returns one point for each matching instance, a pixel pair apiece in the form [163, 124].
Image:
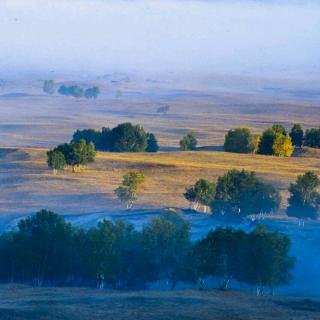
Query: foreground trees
[127, 192]
[125, 137]
[240, 193]
[47, 250]
[304, 201]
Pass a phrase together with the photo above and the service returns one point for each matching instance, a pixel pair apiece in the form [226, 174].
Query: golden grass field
[86, 303]
[29, 185]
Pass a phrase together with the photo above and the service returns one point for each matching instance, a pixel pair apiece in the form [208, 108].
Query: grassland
[28, 185]
[83, 304]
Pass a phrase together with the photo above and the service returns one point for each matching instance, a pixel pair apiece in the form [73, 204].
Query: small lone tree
[48, 86]
[56, 160]
[127, 192]
[202, 193]
[282, 146]
[304, 201]
[296, 135]
[152, 143]
[189, 142]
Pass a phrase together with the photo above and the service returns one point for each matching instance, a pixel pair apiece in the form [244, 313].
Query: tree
[92, 93]
[77, 153]
[267, 260]
[127, 137]
[202, 193]
[152, 143]
[189, 142]
[240, 140]
[278, 128]
[45, 240]
[166, 244]
[241, 193]
[56, 160]
[304, 200]
[220, 254]
[267, 141]
[296, 135]
[312, 138]
[127, 192]
[163, 109]
[74, 91]
[282, 146]
[48, 86]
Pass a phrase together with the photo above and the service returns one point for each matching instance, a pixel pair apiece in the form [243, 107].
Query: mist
[260, 38]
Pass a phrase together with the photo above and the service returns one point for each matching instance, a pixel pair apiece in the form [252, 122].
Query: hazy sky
[100, 36]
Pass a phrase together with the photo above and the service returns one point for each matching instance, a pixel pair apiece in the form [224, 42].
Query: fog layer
[263, 38]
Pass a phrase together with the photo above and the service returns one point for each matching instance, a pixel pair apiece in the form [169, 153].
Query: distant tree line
[46, 250]
[238, 194]
[125, 137]
[73, 91]
[273, 141]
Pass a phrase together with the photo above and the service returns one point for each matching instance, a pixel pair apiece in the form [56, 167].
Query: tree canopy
[241, 193]
[296, 135]
[241, 140]
[304, 200]
[312, 138]
[189, 142]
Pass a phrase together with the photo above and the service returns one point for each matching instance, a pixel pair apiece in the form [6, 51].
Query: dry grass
[23, 303]
[29, 185]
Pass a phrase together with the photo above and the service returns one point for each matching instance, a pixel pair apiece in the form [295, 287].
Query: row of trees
[74, 91]
[238, 194]
[74, 154]
[47, 250]
[125, 137]
[273, 141]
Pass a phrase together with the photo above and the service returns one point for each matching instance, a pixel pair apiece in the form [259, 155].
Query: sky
[252, 37]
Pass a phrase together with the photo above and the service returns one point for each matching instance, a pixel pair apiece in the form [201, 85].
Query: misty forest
[159, 159]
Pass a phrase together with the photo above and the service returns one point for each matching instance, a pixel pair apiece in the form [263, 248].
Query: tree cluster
[235, 195]
[79, 92]
[74, 154]
[125, 137]
[273, 141]
[46, 250]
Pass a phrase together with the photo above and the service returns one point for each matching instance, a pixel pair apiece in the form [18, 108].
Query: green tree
[304, 200]
[127, 192]
[78, 153]
[202, 193]
[127, 137]
[221, 254]
[241, 193]
[267, 141]
[92, 93]
[48, 86]
[56, 160]
[74, 91]
[166, 245]
[45, 244]
[189, 142]
[240, 140]
[152, 143]
[296, 135]
[282, 146]
[267, 260]
[278, 128]
[312, 138]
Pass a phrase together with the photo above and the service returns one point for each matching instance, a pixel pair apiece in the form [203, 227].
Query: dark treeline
[47, 250]
[125, 137]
